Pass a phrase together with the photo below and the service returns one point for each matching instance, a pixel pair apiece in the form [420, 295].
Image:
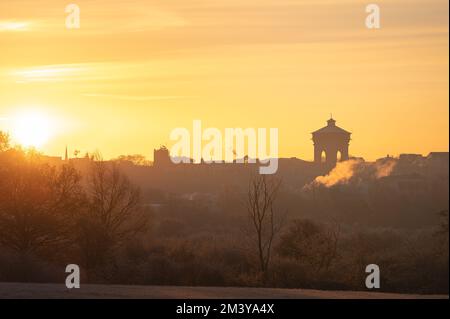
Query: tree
[4, 141]
[136, 159]
[112, 215]
[442, 233]
[263, 217]
[37, 203]
[312, 243]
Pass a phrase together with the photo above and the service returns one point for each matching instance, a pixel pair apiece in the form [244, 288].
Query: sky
[137, 69]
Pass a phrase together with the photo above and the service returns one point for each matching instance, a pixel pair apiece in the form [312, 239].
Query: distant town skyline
[74, 151]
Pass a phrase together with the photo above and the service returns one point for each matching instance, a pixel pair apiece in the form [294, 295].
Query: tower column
[344, 153]
[318, 154]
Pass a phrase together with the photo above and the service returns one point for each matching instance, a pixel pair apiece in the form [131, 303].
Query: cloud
[97, 17]
[47, 73]
[137, 97]
[90, 71]
[14, 26]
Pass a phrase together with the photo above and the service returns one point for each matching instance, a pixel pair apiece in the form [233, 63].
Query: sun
[31, 129]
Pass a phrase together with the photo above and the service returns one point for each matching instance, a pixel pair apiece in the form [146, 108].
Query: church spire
[66, 157]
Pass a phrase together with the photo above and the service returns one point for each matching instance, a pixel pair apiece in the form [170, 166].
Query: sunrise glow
[32, 129]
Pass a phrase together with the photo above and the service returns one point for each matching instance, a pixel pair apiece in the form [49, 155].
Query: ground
[23, 290]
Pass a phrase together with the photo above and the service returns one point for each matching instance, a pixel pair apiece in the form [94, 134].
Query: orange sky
[137, 69]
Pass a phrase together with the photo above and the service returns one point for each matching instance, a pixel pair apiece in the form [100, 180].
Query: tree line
[55, 212]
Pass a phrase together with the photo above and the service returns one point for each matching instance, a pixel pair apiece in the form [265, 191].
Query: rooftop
[331, 128]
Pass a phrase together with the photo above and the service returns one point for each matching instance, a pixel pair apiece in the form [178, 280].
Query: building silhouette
[161, 157]
[330, 144]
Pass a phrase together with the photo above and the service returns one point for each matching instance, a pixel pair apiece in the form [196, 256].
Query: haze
[135, 70]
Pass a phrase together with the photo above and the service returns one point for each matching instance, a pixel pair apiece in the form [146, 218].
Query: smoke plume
[355, 171]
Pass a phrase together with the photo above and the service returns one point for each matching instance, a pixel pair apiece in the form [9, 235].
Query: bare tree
[263, 217]
[36, 204]
[113, 214]
[332, 238]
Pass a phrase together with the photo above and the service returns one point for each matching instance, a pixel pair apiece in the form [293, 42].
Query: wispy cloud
[137, 97]
[97, 17]
[87, 72]
[14, 26]
[47, 73]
